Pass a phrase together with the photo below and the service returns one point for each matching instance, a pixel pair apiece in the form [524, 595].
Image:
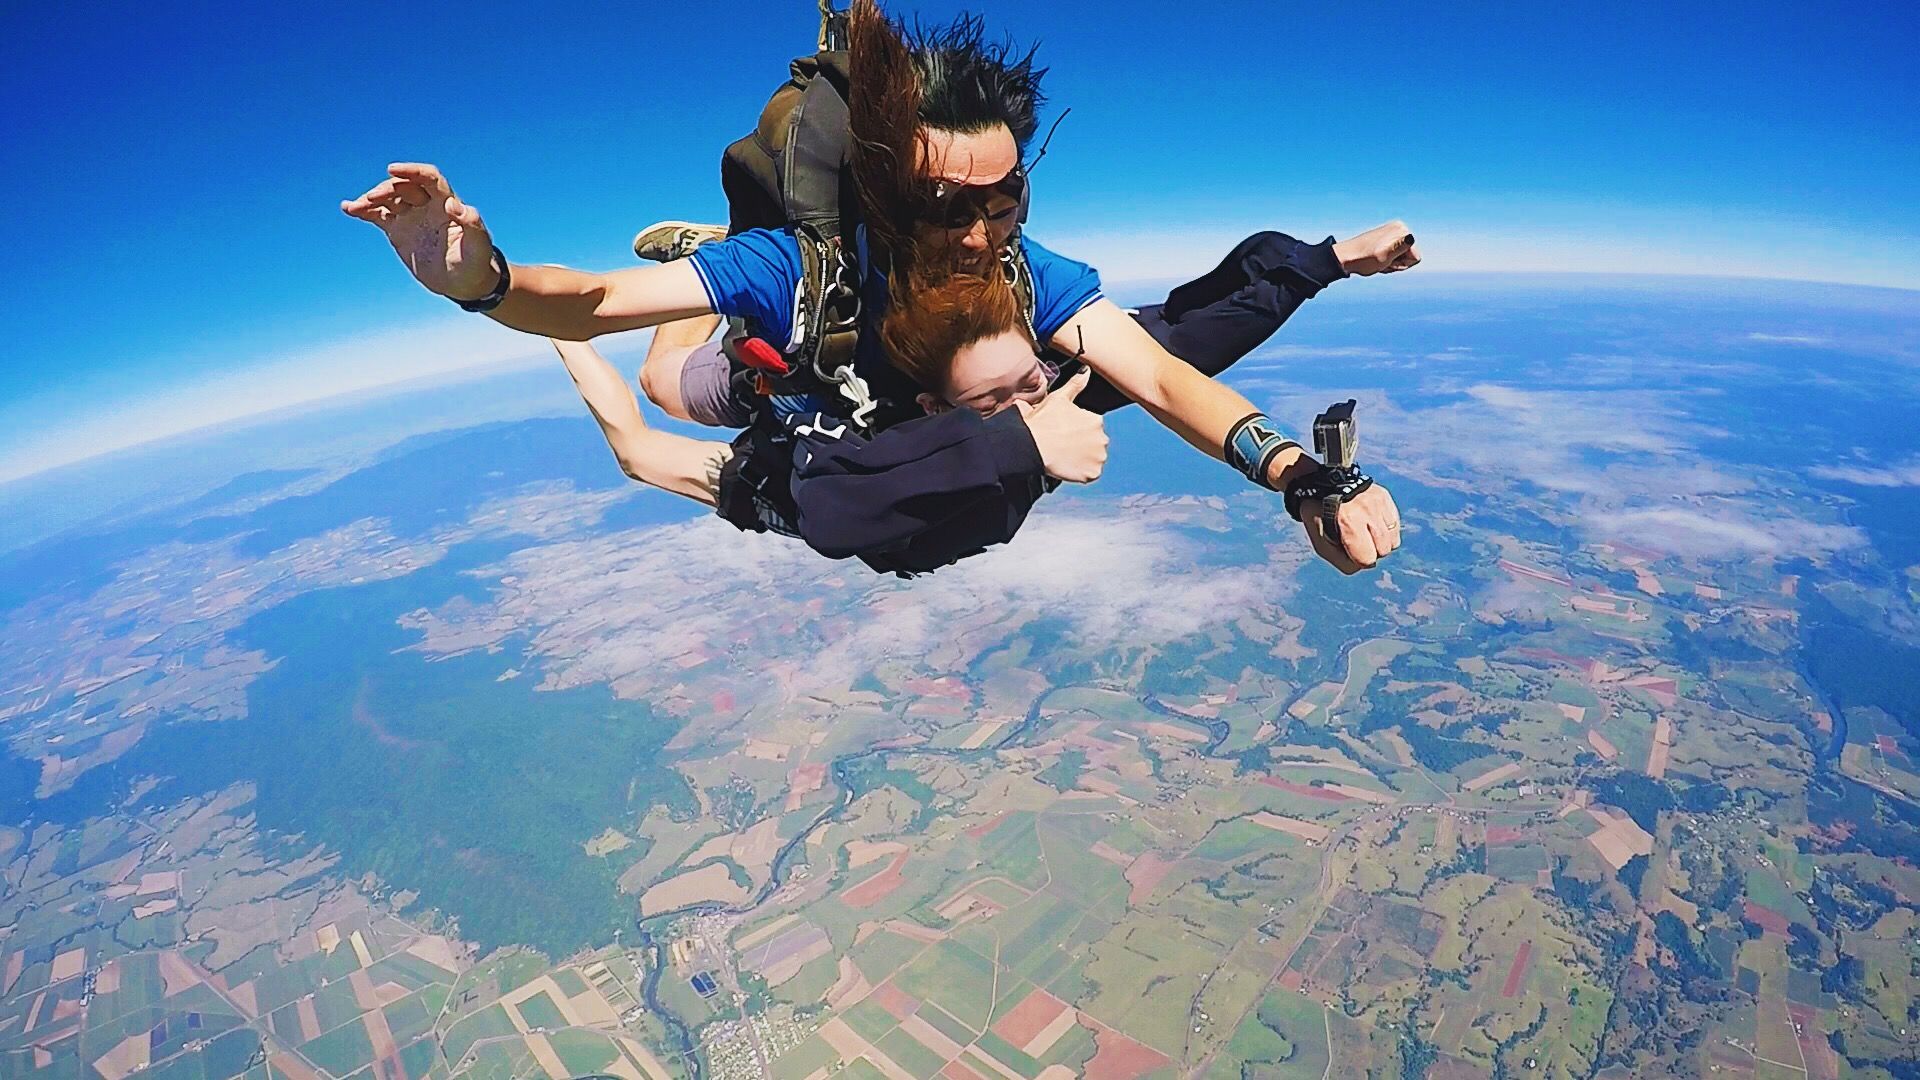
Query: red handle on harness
[760, 356]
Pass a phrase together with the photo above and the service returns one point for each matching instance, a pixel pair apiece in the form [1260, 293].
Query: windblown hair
[934, 310]
[883, 105]
[968, 84]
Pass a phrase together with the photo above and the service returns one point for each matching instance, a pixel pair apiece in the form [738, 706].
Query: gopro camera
[1336, 436]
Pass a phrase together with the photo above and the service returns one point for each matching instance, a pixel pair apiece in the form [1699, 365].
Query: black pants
[1226, 313]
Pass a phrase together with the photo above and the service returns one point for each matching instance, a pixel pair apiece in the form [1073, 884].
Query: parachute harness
[838, 334]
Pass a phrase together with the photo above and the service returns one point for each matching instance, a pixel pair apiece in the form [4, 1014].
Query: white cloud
[1501, 435]
[1531, 239]
[1111, 577]
[1290, 353]
[1724, 533]
[1625, 464]
[618, 609]
[1902, 474]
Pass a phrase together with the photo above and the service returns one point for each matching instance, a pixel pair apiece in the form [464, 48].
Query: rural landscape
[386, 775]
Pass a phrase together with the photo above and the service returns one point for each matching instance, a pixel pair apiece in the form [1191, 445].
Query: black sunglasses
[957, 206]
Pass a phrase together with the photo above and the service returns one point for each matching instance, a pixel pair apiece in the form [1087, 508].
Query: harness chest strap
[829, 310]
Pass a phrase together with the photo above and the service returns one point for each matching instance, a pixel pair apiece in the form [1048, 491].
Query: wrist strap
[1326, 486]
[499, 293]
[1252, 444]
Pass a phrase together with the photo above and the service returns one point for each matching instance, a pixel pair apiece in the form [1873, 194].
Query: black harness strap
[833, 27]
[1328, 488]
[816, 185]
[813, 164]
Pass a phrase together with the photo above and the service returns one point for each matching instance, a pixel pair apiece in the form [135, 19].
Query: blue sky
[171, 180]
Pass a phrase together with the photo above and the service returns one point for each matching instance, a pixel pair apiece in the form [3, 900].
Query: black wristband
[1252, 444]
[1323, 483]
[499, 293]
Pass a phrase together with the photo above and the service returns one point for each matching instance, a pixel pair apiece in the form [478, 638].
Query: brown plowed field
[1120, 1058]
[1029, 1018]
[1517, 971]
[878, 887]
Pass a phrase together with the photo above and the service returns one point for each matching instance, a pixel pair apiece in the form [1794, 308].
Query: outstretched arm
[446, 246]
[1202, 410]
[1197, 408]
[670, 462]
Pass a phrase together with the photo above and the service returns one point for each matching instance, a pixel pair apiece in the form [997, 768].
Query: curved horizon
[456, 349]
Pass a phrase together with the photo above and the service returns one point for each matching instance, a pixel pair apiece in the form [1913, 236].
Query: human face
[979, 160]
[993, 373]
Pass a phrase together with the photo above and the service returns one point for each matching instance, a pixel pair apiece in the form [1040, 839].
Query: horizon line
[496, 364]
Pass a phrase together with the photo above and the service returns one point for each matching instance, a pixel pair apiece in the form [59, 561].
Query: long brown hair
[934, 309]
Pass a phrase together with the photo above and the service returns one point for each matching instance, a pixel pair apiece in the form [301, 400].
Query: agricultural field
[1531, 801]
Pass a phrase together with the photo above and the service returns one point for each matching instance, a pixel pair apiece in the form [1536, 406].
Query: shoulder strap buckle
[855, 389]
[828, 317]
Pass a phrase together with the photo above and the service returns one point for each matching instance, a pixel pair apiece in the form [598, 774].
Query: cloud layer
[1623, 465]
[1900, 474]
[628, 608]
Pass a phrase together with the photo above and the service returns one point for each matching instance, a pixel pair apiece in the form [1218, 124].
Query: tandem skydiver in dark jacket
[936, 515]
[960, 480]
[962, 477]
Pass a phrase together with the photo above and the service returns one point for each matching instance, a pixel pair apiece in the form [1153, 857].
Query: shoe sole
[640, 238]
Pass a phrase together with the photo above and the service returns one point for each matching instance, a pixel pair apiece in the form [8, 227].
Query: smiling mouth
[972, 261]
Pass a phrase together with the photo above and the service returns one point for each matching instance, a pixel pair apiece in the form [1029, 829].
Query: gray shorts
[707, 388]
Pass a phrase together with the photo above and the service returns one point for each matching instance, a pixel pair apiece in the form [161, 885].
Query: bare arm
[576, 305]
[1202, 411]
[445, 245]
[670, 462]
[1195, 407]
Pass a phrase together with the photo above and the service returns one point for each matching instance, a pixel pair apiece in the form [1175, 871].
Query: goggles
[957, 206]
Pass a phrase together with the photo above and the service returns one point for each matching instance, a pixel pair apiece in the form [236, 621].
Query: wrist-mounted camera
[1336, 439]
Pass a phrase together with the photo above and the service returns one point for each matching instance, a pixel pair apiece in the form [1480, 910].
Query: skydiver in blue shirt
[973, 130]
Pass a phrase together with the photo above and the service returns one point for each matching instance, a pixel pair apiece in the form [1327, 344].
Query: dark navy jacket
[929, 491]
[932, 491]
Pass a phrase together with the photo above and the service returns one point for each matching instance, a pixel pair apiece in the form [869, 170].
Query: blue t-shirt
[756, 276]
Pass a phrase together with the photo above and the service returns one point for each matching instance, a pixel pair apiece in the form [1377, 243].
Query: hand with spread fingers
[1384, 249]
[442, 240]
[1369, 531]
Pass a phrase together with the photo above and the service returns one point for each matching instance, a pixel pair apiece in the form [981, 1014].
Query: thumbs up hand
[1072, 441]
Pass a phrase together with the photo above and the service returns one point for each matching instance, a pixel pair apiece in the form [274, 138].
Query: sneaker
[666, 241]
